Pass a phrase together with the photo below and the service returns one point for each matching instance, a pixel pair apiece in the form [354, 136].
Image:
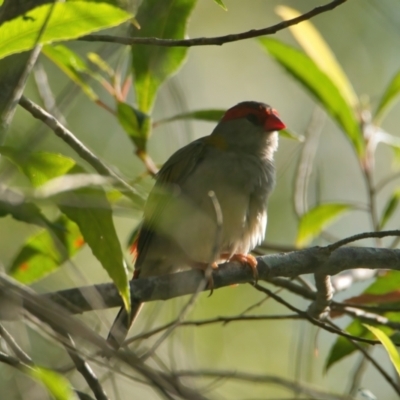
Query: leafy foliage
[67, 21]
[152, 65]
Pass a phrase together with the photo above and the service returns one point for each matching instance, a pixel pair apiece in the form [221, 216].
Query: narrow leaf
[16, 205]
[306, 72]
[390, 208]
[318, 50]
[91, 211]
[318, 218]
[343, 347]
[56, 384]
[152, 65]
[135, 123]
[39, 167]
[44, 253]
[388, 99]
[388, 345]
[68, 21]
[211, 115]
[72, 65]
[221, 4]
[291, 135]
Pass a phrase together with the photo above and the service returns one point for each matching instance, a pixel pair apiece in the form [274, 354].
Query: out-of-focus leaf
[211, 115]
[56, 384]
[343, 347]
[91, 211]
[306, 72]
[135, 123]
[385, 283]
[389, 96]
[291, 135]
[221, 4]
[72, 65]
[100, 63]
[68, 21]
[388, 345]
[318, 218]
[152, 65]
[44, 253]
[390, 208]
[68, 183]
[382, 290]
[19, 208]
[318, 50]
[39, 167]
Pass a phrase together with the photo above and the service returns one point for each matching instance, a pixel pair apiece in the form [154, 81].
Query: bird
[180, 228]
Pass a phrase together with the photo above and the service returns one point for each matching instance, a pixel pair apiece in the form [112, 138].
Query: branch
[68, 137]
[218, 40]
[287, 265]
[295, 387]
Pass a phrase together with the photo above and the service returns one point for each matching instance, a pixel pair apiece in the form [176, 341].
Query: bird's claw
[247, 260]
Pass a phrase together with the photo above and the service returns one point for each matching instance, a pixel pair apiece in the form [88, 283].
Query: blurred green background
[365, 37]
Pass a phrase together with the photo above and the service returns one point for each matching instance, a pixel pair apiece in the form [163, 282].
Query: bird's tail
[122, 324]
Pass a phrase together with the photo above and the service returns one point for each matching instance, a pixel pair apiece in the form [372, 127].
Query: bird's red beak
[273, 122]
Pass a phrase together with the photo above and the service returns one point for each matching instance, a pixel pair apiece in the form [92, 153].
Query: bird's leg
[244, 259]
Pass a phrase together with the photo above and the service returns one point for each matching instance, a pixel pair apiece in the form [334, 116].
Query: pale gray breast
[241, 184]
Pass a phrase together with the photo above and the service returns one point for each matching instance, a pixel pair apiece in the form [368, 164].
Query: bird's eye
[253, 119]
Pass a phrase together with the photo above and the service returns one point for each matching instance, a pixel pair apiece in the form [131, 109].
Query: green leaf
[314, 221]
[68, 21]
[152, 65]
[388, 99]
[44, 253]
[91, 211]
[72, 65]
[221, 4]
[317, 82]
[343, 347]
[291, 135]
[388, 345]
[390, 208]
[39, 167]
[100, 63]
[15, 204]
[135, 123]
[211, 115]
[389, 282]
[318, 50]
[56, 384]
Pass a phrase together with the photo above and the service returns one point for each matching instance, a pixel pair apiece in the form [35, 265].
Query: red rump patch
[134, 249]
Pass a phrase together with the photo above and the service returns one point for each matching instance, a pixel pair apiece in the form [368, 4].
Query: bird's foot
[247, 260]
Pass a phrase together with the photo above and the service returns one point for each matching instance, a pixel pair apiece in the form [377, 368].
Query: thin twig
[9, 109]
[69, 138]
[16, 349]
[334, 246]
[305, 163]
[219, 40]
[312, 320]
[84, 368]
[217, 320]
[190, 304]
[296, 387]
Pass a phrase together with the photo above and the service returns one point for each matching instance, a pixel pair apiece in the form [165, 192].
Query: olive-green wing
[174, 172]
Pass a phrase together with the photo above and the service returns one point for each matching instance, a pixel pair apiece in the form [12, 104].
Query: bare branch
[296, 387]
[287, 265]
[219, 40]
